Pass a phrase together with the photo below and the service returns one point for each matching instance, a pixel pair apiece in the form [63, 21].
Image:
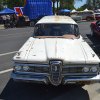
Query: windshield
[55, 29]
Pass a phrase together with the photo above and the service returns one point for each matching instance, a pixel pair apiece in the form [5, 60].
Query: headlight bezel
[85, 69]
[25, 68]
[31, 67]
[81, 66]
[90, 67]
[94, 69]
[86, 66]
[17, 68]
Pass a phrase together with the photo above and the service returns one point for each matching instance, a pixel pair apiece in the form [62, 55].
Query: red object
[95, 28]
[19, 11]
[97, 16]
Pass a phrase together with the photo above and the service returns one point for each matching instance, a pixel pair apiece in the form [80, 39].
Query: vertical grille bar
[55, 72]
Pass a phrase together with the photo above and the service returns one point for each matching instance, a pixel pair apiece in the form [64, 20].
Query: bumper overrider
[55, 76]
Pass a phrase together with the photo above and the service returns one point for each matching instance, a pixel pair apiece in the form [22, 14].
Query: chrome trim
[30, 73]
[37, 65]
[65, 70]
[14, 76]
[55, 72]
[96, 78]
[45, 79]
[80, 65]
[30, 68]
[80, 74]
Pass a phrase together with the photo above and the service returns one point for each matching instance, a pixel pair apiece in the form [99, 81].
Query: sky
[79, 3]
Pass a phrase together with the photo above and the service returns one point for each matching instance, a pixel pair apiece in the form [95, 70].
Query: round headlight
[17, 68]
[25, 68]
[94, 69]
[85, 69]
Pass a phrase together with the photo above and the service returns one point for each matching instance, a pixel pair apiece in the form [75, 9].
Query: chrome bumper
[72, 80]
[41, 78]
[38, 78]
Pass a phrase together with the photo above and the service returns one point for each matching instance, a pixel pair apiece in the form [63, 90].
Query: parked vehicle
[65, 12]
[36, 9]
[95, 28]
[97, 16]
[87, 15]
[56, 54]
[76, 18]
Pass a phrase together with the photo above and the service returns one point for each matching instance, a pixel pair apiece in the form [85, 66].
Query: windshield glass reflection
[55, 29]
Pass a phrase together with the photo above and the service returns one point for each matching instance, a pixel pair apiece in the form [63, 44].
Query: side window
[76, 29]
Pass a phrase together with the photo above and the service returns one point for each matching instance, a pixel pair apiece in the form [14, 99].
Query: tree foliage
[82, 7]
[1, 4]
[67, 4]
[15, 3]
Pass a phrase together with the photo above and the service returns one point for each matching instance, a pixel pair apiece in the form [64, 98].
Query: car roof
[56, 19]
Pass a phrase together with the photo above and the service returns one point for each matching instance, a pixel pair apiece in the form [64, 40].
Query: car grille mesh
[72, 70]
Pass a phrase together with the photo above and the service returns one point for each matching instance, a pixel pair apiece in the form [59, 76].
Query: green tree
[15, 3]
[82, 7]
[2, 4]
[67, 4]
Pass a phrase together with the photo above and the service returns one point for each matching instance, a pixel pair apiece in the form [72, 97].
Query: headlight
[17, 68]
[94, 69]
[25, 68]
[85, 69]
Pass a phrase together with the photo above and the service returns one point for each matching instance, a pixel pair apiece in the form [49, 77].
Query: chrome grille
[72, 70]
[39, 69]
[55, 72]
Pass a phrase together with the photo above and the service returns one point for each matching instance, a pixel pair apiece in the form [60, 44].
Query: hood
[70, 51]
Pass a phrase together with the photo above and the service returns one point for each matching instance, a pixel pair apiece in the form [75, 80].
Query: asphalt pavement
[10, 42]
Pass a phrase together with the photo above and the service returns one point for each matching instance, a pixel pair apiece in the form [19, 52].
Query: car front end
[56, 73]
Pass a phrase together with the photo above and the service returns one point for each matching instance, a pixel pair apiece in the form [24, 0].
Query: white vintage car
[56, 54]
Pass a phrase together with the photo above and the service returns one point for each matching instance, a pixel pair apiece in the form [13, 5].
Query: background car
[95, 28]
[76, 18]
[87, 15]
[97, 16]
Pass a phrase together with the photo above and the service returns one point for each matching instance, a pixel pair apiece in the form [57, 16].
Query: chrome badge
[55, 72]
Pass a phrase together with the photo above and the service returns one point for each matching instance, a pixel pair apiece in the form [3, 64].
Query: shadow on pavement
[31, 91]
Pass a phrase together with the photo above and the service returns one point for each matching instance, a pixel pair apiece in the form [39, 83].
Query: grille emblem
[55, 68]
[55, 72]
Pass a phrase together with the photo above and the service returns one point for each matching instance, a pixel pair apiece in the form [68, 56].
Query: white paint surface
[5, 71]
